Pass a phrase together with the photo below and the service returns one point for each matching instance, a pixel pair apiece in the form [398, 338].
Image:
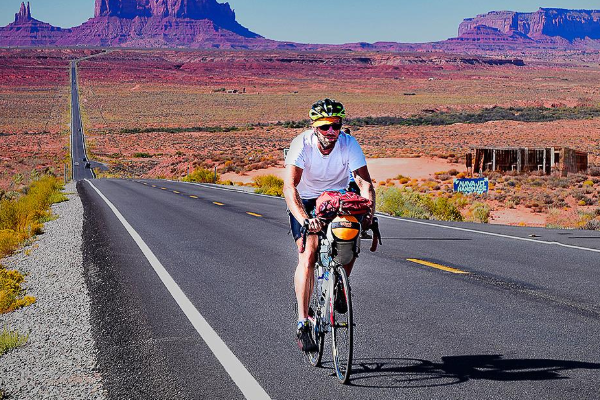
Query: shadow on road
[412, 373]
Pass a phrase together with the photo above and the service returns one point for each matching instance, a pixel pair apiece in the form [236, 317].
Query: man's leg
[304, 276]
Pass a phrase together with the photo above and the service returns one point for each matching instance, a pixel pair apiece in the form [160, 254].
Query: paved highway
[78, 152]
[201, 306]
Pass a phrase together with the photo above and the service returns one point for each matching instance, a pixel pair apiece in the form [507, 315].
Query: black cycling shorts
[295, 226]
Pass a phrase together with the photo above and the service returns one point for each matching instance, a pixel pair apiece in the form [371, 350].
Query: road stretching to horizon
[78, 151]
[192, 298]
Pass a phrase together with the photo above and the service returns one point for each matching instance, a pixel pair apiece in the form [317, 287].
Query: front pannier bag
[332, 203]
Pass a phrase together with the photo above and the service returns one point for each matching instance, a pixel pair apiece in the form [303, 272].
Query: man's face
[328, 135]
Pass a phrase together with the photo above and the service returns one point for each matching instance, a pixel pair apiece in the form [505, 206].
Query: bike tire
[342, 329]
[318, 335]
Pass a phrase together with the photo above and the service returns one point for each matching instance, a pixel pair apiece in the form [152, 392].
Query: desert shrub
[568, 219]
[444, 210]
[269, 184]
[202, 175]
[594, 171]
[410, 204]
[10, 340]
[453, 172]
[479, 212]
[22, 217]
[142, 155]
[12, 295]
[592, 225]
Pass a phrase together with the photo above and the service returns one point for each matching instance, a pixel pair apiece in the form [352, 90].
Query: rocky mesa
[205, 24]
[139, 23]
[544, 24]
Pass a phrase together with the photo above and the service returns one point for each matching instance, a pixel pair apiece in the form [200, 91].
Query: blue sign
[470, 186]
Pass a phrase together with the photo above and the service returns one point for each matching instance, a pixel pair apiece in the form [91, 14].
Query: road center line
[217, 203]
[236, 370]
[437, 266]
[253, 214]
[545, 242]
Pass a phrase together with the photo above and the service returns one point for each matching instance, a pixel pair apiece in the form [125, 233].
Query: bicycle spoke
[342, 329]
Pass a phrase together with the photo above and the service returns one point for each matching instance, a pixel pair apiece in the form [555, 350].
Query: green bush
[409, 204]
[269, 185]
[202, 175]
[142, 155]
[479, 212]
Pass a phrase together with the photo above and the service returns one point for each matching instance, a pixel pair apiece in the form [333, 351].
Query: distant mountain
[140, 23]
[542, 25]
[206, 24]
[27, 31]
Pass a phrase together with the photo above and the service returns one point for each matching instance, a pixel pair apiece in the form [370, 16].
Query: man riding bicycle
[319, 159]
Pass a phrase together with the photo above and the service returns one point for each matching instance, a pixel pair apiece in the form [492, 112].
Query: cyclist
[319, 159]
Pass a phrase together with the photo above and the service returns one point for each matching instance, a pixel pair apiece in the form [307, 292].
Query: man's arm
[367, 190]
[293, 200]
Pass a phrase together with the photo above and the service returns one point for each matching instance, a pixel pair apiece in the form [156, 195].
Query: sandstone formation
[543, 24]
[28, 31]
[205, 24]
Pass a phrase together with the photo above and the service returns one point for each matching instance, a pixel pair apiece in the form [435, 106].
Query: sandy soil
[380, 169]
[416, 168]
[520, 216]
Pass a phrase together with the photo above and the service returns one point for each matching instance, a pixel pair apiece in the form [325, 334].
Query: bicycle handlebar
[374, 228]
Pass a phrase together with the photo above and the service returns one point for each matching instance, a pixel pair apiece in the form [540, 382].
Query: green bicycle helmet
[326, 109]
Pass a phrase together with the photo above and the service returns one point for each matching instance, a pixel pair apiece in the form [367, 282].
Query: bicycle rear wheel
[341, 326]
[316, 318]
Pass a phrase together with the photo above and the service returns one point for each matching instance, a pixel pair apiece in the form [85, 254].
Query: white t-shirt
[324, 172]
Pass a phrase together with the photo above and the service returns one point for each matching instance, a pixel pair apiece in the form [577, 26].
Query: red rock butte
[205, 24]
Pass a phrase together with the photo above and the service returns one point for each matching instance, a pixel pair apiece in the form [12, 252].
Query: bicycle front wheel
[315, 316]
[341, 326]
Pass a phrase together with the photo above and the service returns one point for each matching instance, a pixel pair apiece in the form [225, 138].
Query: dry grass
[23, 217]
[10, 340]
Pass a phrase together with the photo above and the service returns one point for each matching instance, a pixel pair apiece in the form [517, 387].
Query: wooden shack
[562, 160]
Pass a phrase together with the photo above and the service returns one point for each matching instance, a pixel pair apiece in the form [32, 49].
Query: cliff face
[542, 24]
[220, 14]
[139, 23]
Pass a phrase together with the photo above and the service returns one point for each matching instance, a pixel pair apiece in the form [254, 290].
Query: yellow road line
[217, 203]
[194, 197]
[153, 185]
[163, 188]
[253, 214]
[437, 266]
[175, 191]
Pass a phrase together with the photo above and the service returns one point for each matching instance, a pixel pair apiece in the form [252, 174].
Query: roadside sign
[470, 186]
[285, 153]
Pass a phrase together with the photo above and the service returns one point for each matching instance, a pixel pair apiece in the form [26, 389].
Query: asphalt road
[522, 322]
[78, 151]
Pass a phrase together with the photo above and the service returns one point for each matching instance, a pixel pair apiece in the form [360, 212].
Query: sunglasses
[325, 128]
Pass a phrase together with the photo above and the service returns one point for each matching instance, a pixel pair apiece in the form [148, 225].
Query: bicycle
[330, 307]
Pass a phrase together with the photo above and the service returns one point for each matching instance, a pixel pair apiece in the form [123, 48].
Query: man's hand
[315, 225]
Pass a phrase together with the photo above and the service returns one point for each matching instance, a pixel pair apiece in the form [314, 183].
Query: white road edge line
[570, 246]
[236, 370]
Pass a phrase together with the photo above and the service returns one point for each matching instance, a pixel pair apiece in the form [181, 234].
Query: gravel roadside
[59, 361]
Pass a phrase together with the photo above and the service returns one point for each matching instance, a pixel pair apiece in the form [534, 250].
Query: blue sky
[330, 21]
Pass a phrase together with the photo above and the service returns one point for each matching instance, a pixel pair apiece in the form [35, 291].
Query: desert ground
[164, 113]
